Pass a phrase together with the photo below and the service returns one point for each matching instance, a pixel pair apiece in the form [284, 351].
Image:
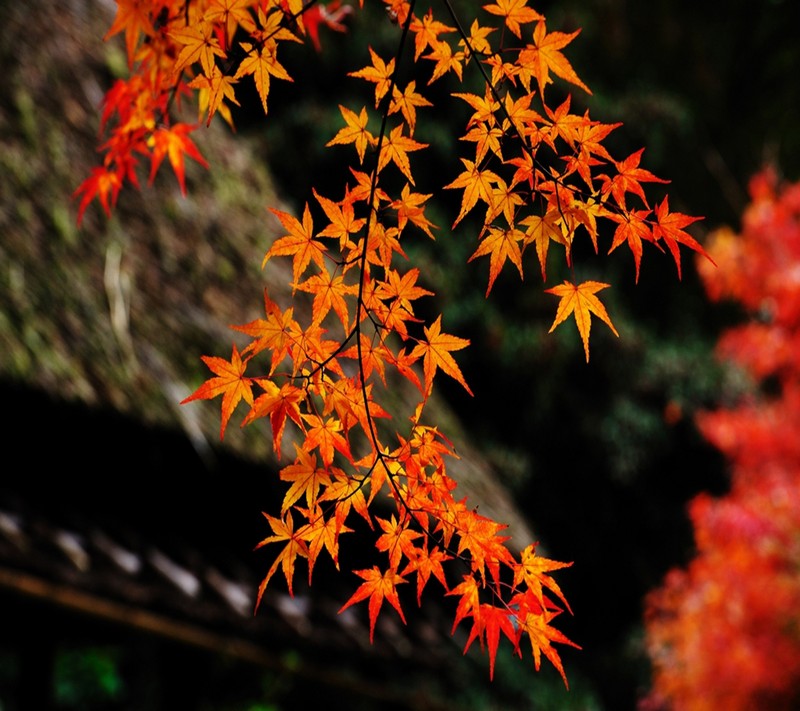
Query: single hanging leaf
[581, 301]
[544, 56]
[669, 226]
[376, 587]
[283, 530]
[436, 353]
[515, 12]
[174, 143]
[355, 131]
[230, 382]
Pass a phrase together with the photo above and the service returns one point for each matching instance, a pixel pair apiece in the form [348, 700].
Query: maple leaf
[330, 15]
[347, 492]
[542, 229]
[533, 571]
[133, 16]
[342, 217]
[174, 143]
[306, 478]
[272, 332]
[500, 245]
[212, 91]
[403, 288]
[330, 292]
[469, 604]
[199, 45]
[477, 185]
[581, 301]
[628, 179]
[261, 63]
[487, 626]
[425, 564]
[230, 382]
[514, 12]
[442, 53]
[410, 206]
[535, 622]
[326, 435]
[355, 131]
[544, 56]
[231, 14]
[283, 530]
[102, 183]
[377, 587]
[379, 72]
[669, 226]
[426, 32]
[395, 147]
[319, 533]
[406, 102]
[278, 403]
[299, 242]
[436, 354]
[633, 227]
[397, 540]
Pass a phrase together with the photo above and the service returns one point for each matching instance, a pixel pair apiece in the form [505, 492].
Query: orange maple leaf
[628, 179]
[426, 563]
[535, 622]
[355, 131]
[395, 148]
[278, 403]
[230, 382]
[488, 625]
[669, 226]
[379, 72]
[633, 227]
[397, 540]
[306, 478]
[581, 301]
[299, 242]
[212, 91]
[542, 229]
[327, 436]
[427, 31]
[436, 354]
[319, 533]
[174, 142]
[133, 17]
[102, 183]
[500, 245]
[406, 102]
[272, 332]
[533, 570]
[199, 45]
[477, 185]
[543, 56]
[261, 63]
[469, 604]
[376, 587]
[283, 530]
[515, 12]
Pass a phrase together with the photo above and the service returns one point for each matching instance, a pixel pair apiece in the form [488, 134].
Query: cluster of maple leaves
[539, 174]
[725, 632]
